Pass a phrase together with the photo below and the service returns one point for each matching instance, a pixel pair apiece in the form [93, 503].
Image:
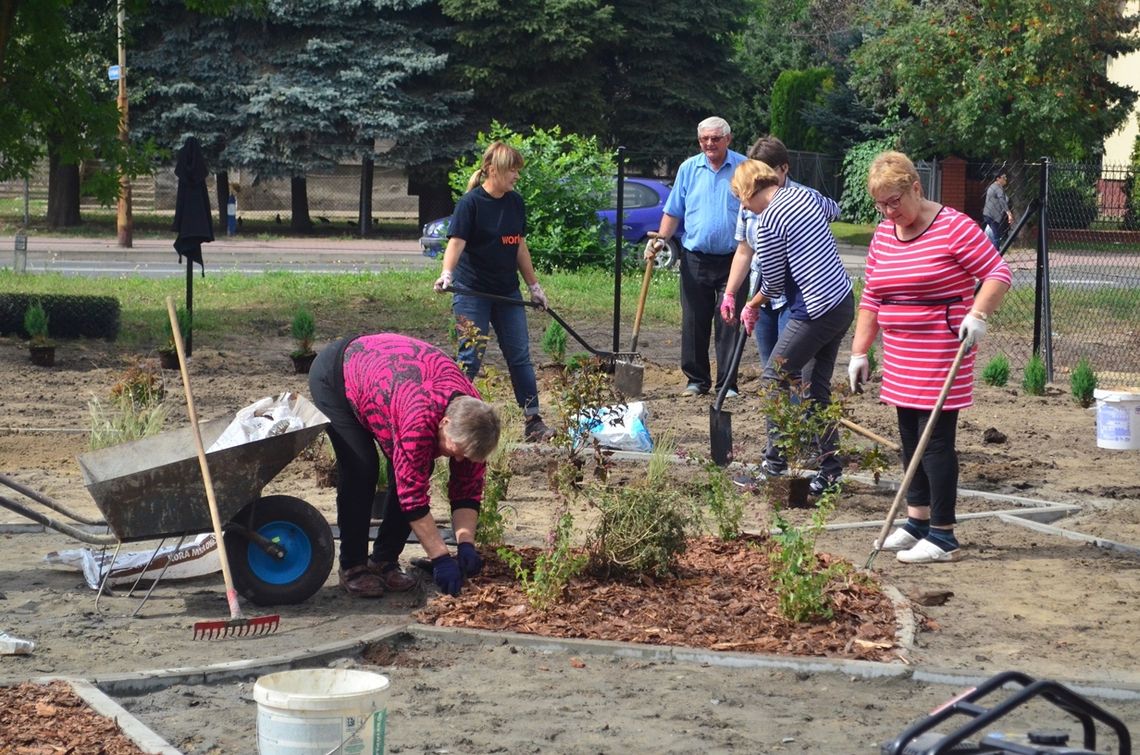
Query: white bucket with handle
[321, 712]
[1117, 419]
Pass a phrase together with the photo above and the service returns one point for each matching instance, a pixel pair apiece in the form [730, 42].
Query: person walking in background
[414, 401]
[702, 198]
[996, 213]
[773, 315]
[798, 252]
[486, 251]
[922, 266]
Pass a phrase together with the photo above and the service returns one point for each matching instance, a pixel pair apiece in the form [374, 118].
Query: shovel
[237, 625]
[720, 421]
[871, 434]
[919, 449]
[629, 377]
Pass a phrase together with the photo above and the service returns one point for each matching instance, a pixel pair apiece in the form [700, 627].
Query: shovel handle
[869, 434]
[641, 303]
[919, 449]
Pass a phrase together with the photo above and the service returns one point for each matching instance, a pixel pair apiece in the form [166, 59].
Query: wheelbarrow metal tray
[152, 488]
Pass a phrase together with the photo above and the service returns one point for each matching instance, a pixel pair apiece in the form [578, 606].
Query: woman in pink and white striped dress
[922, 268]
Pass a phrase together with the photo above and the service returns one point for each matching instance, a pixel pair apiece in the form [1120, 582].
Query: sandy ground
[1051, 606]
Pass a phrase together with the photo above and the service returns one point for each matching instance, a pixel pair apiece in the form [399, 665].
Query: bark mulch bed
[722, 598]
[50, 719]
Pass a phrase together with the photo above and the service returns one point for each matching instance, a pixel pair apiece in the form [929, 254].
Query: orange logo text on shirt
[512, 240]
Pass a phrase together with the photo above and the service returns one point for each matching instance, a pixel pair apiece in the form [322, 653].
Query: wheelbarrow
[280, 547]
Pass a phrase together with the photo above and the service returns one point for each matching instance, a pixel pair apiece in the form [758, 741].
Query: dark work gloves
[445, 572]
[470, 562]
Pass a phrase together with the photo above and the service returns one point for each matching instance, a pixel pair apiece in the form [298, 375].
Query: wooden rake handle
[916, 458]
[215, 518]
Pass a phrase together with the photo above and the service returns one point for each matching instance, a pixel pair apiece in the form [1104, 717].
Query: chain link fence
[1076, 268]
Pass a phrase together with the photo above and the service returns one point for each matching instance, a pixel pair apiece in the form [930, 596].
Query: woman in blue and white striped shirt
[800, 259]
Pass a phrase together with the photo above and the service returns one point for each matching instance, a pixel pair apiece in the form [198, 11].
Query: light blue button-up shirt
[703, 199]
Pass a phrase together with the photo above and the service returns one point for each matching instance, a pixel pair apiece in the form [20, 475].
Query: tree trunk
[299, 205]
[63, 190]
[222, 188]
[365, 214]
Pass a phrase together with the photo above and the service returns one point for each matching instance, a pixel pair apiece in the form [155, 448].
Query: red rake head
[216, 630]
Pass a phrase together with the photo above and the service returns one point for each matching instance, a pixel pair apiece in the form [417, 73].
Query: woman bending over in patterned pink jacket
[414, 402]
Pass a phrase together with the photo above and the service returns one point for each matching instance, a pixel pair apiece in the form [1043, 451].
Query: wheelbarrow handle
[609, 355]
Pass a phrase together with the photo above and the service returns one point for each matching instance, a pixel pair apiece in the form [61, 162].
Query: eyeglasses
[889, 204]
[711, 139]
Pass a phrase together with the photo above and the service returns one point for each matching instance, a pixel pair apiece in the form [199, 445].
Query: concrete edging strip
[135, 730]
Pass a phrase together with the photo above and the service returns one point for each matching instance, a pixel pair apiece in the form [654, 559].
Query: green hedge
[69, 316]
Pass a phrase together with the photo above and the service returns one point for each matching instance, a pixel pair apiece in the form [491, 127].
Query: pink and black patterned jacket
[400, 388]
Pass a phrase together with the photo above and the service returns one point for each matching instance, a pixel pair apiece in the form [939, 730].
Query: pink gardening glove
[728, 308]
[748, 317]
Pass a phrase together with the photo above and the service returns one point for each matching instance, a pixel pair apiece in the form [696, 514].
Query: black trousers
[703, 279]
[935, 483]
[357, 467]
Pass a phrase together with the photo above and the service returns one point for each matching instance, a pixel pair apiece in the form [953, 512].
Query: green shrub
[304, 330]
[554, 342]
[640, 531]
[792, 92]
[184, 325]
[566, 180]
[1072, 198]
[1034, 379]
[1083, 382]
[553, 569]
[856, 203]
[724, 502]
[36, 324]
[996, 371]
[1131, 189]
[800, 578]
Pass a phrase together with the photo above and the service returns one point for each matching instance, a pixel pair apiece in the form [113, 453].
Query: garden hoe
[237, 625]
[919, 449]
[629, 376]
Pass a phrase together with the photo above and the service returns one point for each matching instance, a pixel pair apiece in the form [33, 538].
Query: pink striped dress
[920, 290]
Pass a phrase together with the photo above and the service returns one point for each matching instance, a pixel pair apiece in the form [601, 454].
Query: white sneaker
[899, 540]
[926, 552]
[731, 393]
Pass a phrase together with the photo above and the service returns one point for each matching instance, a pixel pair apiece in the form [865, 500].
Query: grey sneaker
[821, 483]
[692, 389]
[536, 430]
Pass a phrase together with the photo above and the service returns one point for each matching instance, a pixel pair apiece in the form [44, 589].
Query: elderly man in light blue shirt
[702, 197]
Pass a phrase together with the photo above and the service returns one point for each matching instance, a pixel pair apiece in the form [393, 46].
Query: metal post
[365, 205]
[123, 222]
[20, 263]
[1041, 283]
[619, 221]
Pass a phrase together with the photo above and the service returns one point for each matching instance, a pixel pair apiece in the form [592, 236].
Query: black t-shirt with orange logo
[492, 229]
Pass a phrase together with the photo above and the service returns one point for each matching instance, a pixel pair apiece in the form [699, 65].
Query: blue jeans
[768, 329]
[807, 349]
[509, 322]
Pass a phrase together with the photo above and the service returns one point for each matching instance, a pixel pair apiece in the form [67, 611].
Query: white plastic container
[321, 712]
[10, 645]
[1117, 419]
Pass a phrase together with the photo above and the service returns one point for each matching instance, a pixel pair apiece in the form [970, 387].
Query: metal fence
[1076, 268]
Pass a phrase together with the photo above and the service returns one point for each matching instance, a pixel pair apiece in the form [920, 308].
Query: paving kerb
[145, 738]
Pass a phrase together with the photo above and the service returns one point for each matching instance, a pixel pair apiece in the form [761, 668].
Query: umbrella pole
[189, 306]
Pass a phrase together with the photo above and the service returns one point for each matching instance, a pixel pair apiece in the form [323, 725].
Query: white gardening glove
[858, 371]
[972, 329]
[537, 295]
[444, 281]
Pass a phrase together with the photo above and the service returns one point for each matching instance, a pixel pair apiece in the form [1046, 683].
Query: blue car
[644, 204]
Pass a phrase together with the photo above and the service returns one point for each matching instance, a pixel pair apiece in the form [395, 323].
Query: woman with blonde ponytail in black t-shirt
[486, 251]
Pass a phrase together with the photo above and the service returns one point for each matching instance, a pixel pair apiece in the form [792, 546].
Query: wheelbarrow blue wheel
[292, 525]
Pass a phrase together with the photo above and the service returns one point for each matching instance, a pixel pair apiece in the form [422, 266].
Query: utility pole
[124, 224]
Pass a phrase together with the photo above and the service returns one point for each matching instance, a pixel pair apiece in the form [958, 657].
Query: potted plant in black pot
[168, 353]
[40, 347]
[304, 330]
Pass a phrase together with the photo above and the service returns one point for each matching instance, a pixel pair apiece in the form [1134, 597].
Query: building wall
[1124, 70]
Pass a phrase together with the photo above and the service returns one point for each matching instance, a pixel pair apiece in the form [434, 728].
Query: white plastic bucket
[1117, 419]
[321, 711]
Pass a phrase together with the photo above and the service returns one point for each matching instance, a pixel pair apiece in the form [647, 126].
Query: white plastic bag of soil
[261, 419]
[620, 427]
[192, 559]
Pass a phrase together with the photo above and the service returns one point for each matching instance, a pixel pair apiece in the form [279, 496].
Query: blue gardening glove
[470, 562]
[445, 572]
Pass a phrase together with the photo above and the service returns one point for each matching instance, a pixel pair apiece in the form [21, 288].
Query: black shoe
[821, 483]
[536, 430]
